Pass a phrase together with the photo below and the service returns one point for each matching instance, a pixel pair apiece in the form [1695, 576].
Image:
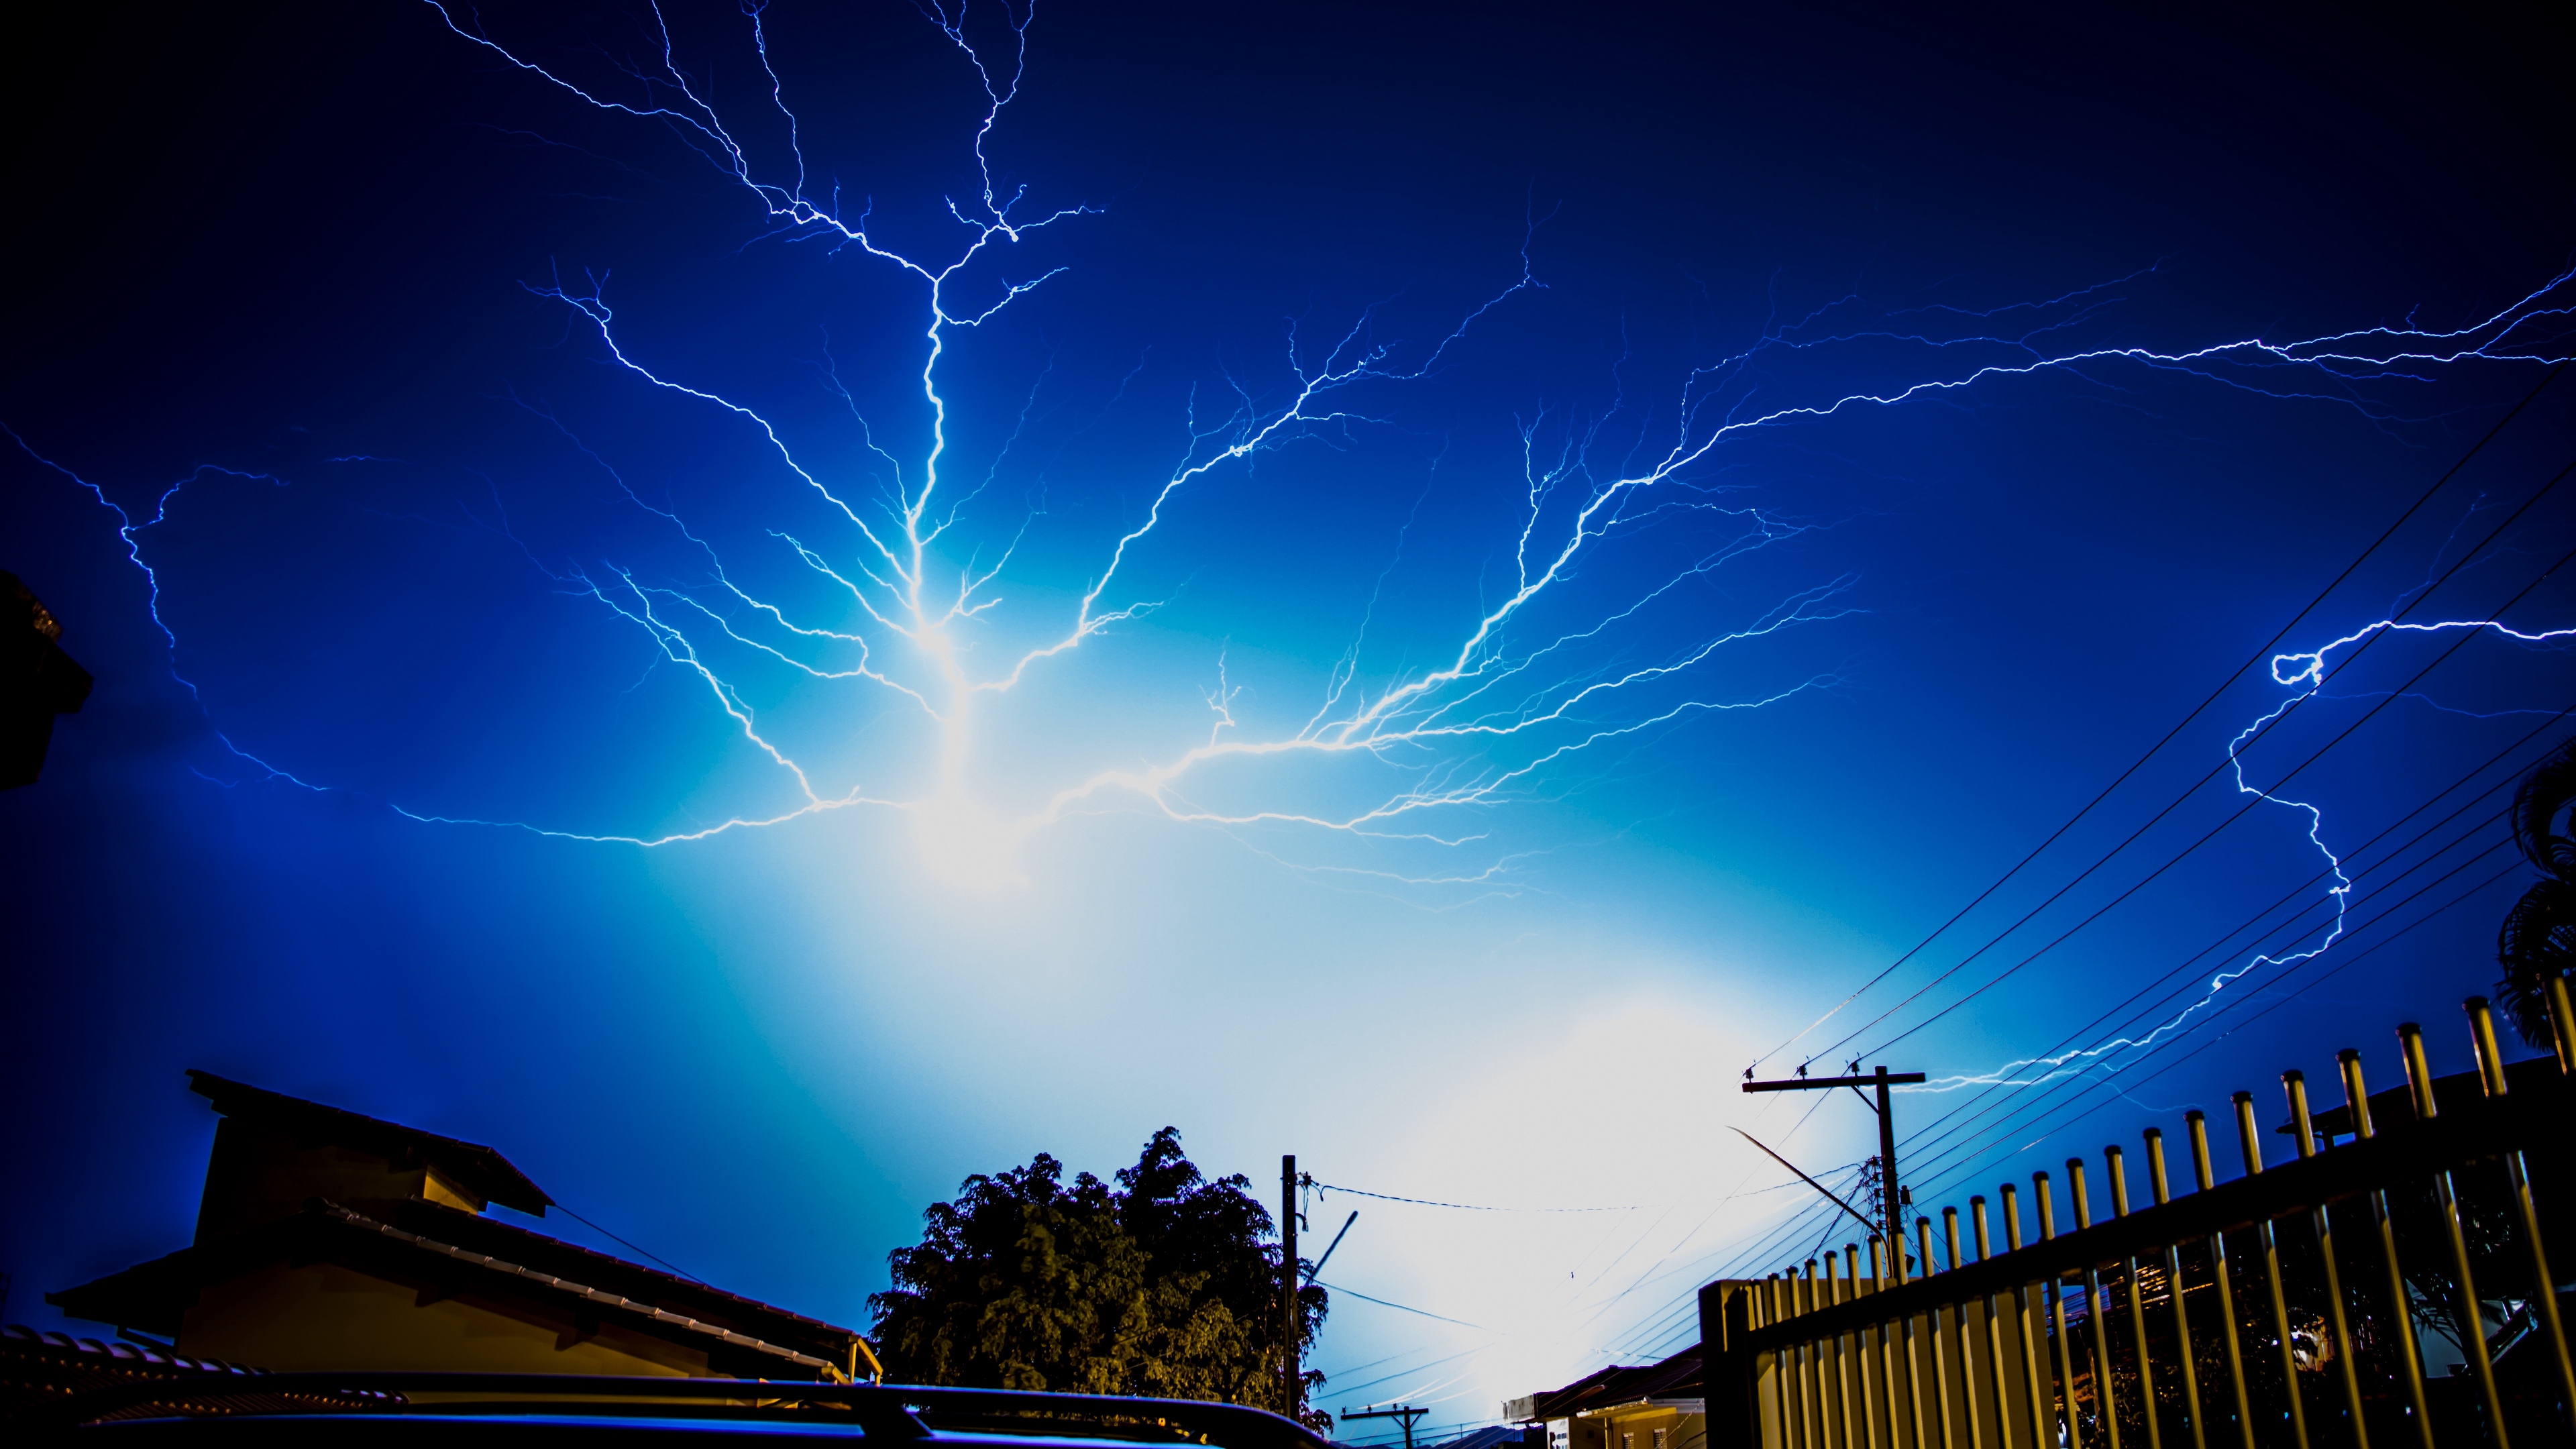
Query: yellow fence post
[2173, 1290]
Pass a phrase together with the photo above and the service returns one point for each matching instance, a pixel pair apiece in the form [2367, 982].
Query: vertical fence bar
[1842, 1365]
[2562, 1026]
[1785, 1369]
[2034, 1399]
[2106, 1417]
[2249, 1140]
[2473, 1328]
[2173, 1290]
[1830, 1408]
[1811, 1363]
[1860, 1354]
[2410, 1355]
[1959, 1327]
[1786, 1407]
[1995, 1382]
[1827, 1352]
[2056, 1293]
[1886, 1343]
[1801, 1303]
[1940, 1352]
[1913, 1352]
[2517, 1173]
[2230, 1331]
[2303, 1126]
[2106, 1406]
[2117, 1169]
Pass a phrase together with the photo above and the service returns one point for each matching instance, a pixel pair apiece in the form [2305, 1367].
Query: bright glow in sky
[765, 628]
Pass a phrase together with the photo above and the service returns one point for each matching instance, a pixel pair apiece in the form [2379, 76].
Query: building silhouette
[330, 1240]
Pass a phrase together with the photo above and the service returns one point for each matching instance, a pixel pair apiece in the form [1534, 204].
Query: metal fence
[2390, 1284]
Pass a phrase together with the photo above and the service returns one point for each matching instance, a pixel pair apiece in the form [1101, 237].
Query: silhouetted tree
[2539, 936]
[1160, 1286]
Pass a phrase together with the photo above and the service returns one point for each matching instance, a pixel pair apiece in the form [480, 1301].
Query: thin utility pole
[1289, 1377]
[1892, 1200]
[1404, 1413]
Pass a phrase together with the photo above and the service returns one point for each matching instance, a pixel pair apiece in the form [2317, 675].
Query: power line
[2100, 1083]
[1950, 1122]
[1768, 1242]
[2347, 962]
[2341, 966]
[2213, 832]
[1404, 1307]
[2015, 1106]
[630, 1247]
[1472, 1207]
[2256, 657]
[2357, 875]
[1798, 1223]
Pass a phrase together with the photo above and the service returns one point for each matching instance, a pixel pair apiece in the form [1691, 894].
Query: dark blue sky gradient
[307, 252]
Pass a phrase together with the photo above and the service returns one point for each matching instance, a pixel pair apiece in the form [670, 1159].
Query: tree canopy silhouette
[1164, 1285]
[2538, 941]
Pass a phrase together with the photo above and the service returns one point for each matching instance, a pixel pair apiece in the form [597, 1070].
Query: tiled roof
[130, 1355]
[476, 1168]
[1493, 1436]
[41, 1371]
[153, 1295]
[627, 1279]
[598, 1298]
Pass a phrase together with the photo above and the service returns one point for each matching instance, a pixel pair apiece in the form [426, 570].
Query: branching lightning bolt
[1515, 698]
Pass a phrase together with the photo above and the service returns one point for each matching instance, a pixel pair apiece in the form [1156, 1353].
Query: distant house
[1650, 1406]
[328, 1240]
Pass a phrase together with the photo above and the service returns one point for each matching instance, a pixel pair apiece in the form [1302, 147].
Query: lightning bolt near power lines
[2305, 674]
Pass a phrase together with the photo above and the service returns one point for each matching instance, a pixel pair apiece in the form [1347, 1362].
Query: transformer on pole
[1892, 1211]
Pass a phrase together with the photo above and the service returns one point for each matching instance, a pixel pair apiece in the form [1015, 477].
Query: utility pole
[1893, 1203]
[1408, 1415]
[1290, 1380]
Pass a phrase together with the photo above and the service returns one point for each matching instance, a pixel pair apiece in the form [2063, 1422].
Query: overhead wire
[2357, 874]
[1473, 1207]
[2354, 959]
[1664, 1322]
[2239, 813]
[2021, 1107]
[2080, 1083]
[2017, 1103]
[2258, 656]
[1951, 1121]
[1793, 1225]
[2284, 999]
[2090, 1085]
[1738, 1192]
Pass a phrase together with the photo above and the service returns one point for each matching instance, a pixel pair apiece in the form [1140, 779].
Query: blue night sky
[1631, 521]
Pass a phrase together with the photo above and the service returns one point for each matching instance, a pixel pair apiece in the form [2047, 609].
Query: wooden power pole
[1404, 1413]
[1290, 1380]
[1893, 1204]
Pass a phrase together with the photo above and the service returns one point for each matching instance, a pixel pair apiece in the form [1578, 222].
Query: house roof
[740, 1336]
[1492, 1436]
[1677, 1377]
[470, 1165]
[38, 1371]
[17, 1340]
[684, 1295]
